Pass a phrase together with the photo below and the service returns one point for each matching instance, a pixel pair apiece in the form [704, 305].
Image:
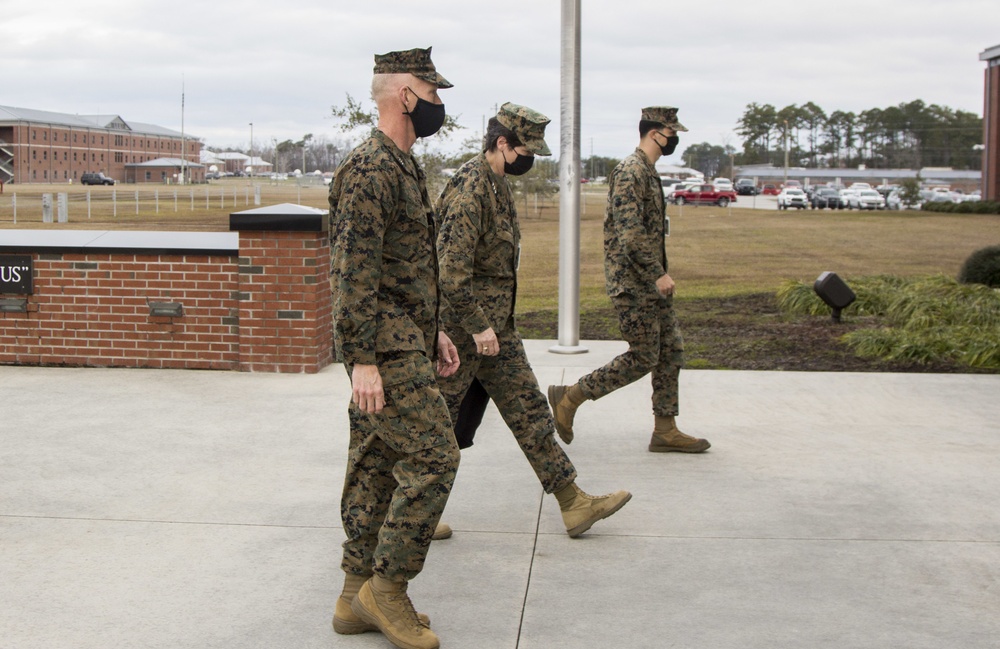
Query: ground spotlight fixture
[166, 309]
[832, 290]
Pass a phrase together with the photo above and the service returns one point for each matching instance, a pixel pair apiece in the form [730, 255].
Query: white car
[792, 197]
[724, 184]
[866, 199]
[896, 202]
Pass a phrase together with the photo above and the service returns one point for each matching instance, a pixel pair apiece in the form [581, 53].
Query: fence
[104, 204]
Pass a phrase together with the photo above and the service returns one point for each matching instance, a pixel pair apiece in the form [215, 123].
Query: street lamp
[251, 149]
[786, 151]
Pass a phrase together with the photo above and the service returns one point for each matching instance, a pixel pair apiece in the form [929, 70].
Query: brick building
[991, 125]
[38, 146]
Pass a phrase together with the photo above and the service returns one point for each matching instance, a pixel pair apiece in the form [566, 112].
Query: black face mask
[427, 118]
[522, 164]
[670, 146]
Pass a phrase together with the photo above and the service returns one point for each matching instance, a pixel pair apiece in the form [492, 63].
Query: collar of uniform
[645, 159]
[495, 181]
[405, 161]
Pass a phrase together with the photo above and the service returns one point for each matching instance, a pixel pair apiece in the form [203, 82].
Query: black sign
[15, 274]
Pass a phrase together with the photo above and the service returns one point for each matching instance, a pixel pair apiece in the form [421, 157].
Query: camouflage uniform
[402, 461]
[478, 246]
[634, 258]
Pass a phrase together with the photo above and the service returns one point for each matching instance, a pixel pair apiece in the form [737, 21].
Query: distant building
[38, 146]
[233, 162]
[164, 170]
[991, 125]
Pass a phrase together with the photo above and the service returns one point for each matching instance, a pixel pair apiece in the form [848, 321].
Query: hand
[487, 343]
[665, 285]
[447, 361]
[366, 388]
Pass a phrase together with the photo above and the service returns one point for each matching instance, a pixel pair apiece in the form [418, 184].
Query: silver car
[866, 199]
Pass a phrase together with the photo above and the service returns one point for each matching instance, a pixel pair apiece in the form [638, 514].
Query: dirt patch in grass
[745, 332]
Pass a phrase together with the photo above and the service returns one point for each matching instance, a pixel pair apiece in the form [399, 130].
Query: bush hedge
[982, 267]
[972, 207]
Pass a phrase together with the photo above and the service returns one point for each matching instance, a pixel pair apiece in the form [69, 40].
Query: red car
[770, 190]
[705, 195]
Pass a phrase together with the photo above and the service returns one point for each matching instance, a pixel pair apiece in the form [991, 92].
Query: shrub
[982, 267]
[972, 207]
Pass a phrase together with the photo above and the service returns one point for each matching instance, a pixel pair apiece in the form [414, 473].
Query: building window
[45, 155]
[33, 133]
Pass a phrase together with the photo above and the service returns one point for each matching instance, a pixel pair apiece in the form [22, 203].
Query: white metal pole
[569, 183]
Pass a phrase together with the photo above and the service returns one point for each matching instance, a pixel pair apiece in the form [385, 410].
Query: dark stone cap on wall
[286, 217]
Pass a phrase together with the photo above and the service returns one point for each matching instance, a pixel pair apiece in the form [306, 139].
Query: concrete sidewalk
[198, 509]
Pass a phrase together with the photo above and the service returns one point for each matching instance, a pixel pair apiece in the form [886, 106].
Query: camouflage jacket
[634, 253]
[478, 247]
[384, 263]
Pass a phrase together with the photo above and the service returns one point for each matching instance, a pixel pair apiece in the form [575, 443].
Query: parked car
[745, 187]
[670, 194]
[825, 197]
[792, 197]
[96, 179]
[936, 196]
[866, 199]
[896, 202]
[705, 195]
[792, 183]
[724, 184]
[770, 190]
[885, 190]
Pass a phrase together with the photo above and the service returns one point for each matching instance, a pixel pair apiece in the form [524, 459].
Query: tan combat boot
[345, 621]
[441, 532]
[564, 400]
[386, 605]
[581, 510]
[667, 438]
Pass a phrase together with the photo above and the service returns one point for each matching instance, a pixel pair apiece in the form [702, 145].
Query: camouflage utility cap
[528, 125]
[416, 62]
[666, 115]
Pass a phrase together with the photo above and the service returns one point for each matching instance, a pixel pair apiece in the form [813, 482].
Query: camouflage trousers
[511, 384]
[654, 345]
[400, 469]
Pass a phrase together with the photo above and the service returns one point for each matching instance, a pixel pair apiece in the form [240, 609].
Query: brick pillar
[285, 312]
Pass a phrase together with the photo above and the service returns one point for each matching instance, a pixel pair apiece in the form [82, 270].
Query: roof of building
[990, 53]
[166, 162]
[12, 114]
[770, 171]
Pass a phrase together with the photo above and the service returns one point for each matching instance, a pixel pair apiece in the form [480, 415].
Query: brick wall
[263, 305]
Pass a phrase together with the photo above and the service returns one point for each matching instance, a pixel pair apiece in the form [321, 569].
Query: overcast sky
[281, 65]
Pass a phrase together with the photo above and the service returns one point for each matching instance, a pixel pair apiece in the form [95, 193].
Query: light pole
[251, 150]
[786, 151]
